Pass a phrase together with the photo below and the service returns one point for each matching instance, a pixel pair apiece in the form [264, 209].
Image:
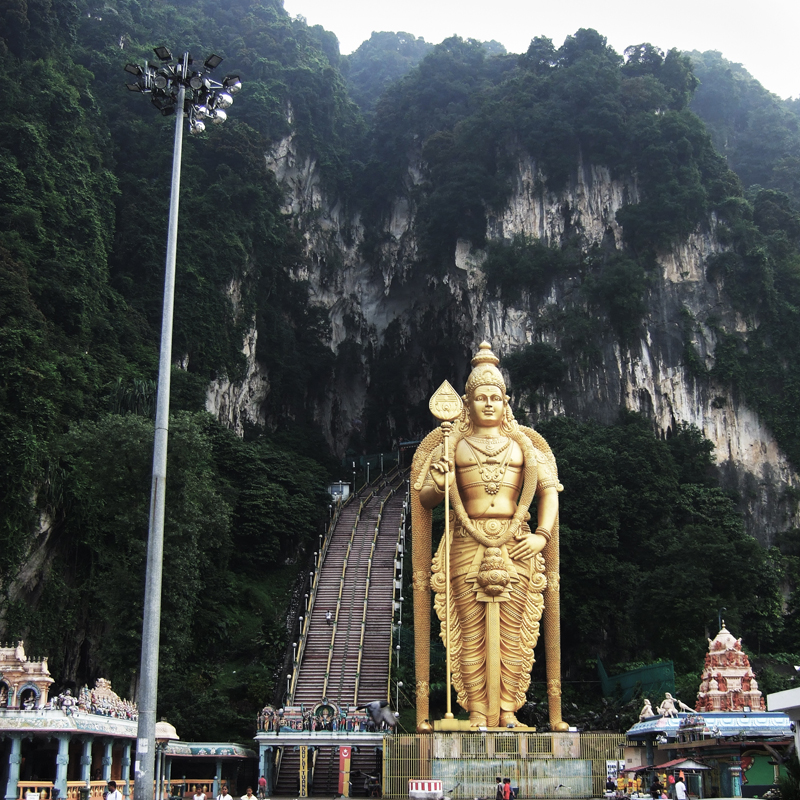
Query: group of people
[224, 793]
[626, 787]
[504, 790]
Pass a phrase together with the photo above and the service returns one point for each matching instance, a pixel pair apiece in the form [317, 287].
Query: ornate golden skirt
[496, 607]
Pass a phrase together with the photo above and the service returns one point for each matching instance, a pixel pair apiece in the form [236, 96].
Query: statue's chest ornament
[492, 468]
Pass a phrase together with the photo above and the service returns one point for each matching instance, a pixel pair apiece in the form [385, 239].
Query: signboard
[345, 753]
[303, 771]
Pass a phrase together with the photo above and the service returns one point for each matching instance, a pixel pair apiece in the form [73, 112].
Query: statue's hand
[442, 471]
[528, 547]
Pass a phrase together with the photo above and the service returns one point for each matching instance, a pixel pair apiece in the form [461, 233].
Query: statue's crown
[484, 370]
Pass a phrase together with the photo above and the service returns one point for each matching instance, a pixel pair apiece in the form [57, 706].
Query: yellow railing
[363, 502]
[397, 592]
[96, 788]
[539, 764]
[366, 592]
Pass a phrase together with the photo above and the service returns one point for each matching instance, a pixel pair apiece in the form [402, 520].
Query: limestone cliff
[648, 375]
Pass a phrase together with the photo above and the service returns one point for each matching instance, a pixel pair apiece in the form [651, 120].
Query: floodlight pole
[148, 670]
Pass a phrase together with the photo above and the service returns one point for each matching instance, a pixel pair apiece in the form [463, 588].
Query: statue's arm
[432, 491]
[547, 513]
[547, 508]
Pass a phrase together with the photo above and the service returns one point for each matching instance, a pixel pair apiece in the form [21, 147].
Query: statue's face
[486, 406]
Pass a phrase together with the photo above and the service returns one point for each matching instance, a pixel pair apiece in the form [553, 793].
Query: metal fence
[547, 765]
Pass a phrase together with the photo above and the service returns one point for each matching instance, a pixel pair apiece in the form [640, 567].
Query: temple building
[63, 744]
[735, 747]
[70, 746]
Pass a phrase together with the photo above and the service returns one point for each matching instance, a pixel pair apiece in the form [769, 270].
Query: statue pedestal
[462, 726]
[543, 765]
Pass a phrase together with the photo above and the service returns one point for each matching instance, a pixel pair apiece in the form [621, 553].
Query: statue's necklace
[489, 446]
[491, 471]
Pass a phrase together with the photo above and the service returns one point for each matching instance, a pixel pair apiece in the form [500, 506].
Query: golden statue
[503, 577]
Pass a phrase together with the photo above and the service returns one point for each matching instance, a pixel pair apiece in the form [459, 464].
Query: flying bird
[380, 712]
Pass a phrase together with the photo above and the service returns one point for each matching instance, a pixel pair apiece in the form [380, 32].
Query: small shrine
[728, 682]
[24, 682]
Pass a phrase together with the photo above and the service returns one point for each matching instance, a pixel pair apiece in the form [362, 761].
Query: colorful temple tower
[728, 682]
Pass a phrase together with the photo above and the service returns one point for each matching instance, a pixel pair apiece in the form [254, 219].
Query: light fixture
[224, 100]
[219, 117]
[213, 61]
[133, 87]
[134, 69]
[232, 84]
[162, 53]
[198, 126]
[196, 81]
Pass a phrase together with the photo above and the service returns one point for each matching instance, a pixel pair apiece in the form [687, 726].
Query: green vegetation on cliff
[85, 170]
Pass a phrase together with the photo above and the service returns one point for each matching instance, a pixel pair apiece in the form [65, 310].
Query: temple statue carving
[24, 682]
[728, 682]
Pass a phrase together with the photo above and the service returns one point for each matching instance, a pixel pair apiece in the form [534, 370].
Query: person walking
[655, 788]
[113, 794]
[680, 789]
[262, 784]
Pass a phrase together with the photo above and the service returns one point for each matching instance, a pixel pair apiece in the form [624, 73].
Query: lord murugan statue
[494, 575]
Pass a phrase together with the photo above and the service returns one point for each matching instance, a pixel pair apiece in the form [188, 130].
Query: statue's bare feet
[509, 720]
[477, 720]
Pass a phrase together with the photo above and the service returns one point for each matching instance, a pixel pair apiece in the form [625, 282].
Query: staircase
[348, 660]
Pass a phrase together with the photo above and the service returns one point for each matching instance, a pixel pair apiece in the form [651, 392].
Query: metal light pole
[183, 88]
[397, 702]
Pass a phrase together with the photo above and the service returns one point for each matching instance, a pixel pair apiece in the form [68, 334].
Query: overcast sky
[763, 35]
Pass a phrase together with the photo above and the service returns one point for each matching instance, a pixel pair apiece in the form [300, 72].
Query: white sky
[764, 36]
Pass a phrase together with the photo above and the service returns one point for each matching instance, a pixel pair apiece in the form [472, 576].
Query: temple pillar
[266, 764]
[14, 760]
[126, 769]
[62, 761]
[108, 745]
[86, 759]
[217, 776]
[168, 771]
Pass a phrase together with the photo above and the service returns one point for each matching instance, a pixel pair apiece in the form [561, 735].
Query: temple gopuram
[728, 745]
[728, 682]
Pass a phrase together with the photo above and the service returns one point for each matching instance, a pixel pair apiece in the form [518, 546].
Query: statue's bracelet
[543, 532]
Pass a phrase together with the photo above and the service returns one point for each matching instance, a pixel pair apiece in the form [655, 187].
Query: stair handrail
[312, 595]
[366, 590]
[363, 503]
[400, 548]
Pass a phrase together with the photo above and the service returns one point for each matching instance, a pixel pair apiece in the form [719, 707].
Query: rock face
[648, 375]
